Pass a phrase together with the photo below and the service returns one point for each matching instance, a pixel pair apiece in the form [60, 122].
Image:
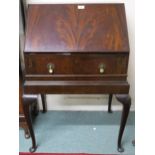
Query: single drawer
[75, 64]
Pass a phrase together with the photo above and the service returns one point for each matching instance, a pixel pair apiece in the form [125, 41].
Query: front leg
[27, 102]
[126, 102]
[44, 102]
[109, 103]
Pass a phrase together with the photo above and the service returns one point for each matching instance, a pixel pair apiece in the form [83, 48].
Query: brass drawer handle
[50, 67]
[102, 68]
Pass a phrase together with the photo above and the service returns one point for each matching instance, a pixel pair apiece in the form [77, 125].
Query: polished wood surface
[76, 87]
[20, 97]
[66, 28]
[125, 100]
[33, 109]
[76, 64]
[87, 49]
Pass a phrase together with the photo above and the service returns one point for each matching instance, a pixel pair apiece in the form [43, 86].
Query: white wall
[96, 102]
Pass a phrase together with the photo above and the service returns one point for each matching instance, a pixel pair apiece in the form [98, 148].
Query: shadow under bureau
[77, 49]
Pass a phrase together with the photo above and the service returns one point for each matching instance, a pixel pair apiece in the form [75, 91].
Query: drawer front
[76, 64]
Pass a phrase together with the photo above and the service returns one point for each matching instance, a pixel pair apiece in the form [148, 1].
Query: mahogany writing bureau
[77, 49]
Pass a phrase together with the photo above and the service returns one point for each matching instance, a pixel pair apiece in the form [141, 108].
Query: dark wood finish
[33, 107]
[125, 100]
[22, 122]
[44, 102]
[23, 12]
[33, 111]
[77, 64]
[65, 28]
[109, 103]
[76, 42]
[75, 87]
[20, 96]
[27, 102]
[95, 77]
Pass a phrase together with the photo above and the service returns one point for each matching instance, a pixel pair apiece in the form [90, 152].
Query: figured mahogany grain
[65, 28]
[76, 41]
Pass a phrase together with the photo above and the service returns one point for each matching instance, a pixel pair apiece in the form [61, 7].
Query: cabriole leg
[126, 103]
[26, 105]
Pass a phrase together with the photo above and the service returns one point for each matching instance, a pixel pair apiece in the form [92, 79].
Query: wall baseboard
[81, 103]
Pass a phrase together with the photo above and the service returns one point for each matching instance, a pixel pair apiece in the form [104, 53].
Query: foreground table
[77, 49]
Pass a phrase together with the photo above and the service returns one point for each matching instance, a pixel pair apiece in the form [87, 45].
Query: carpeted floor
[79, 132]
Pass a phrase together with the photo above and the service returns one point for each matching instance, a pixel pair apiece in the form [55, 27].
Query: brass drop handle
[50, 67]
[101, 68]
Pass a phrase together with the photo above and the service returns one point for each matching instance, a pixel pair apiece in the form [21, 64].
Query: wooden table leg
[27, 101]
[44, 102]
[126, 102]
[109, 103]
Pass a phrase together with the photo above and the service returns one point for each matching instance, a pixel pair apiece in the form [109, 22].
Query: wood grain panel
[65, 28]
[76, 64]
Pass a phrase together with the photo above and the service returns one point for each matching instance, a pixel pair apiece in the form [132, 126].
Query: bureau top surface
[76, 28]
